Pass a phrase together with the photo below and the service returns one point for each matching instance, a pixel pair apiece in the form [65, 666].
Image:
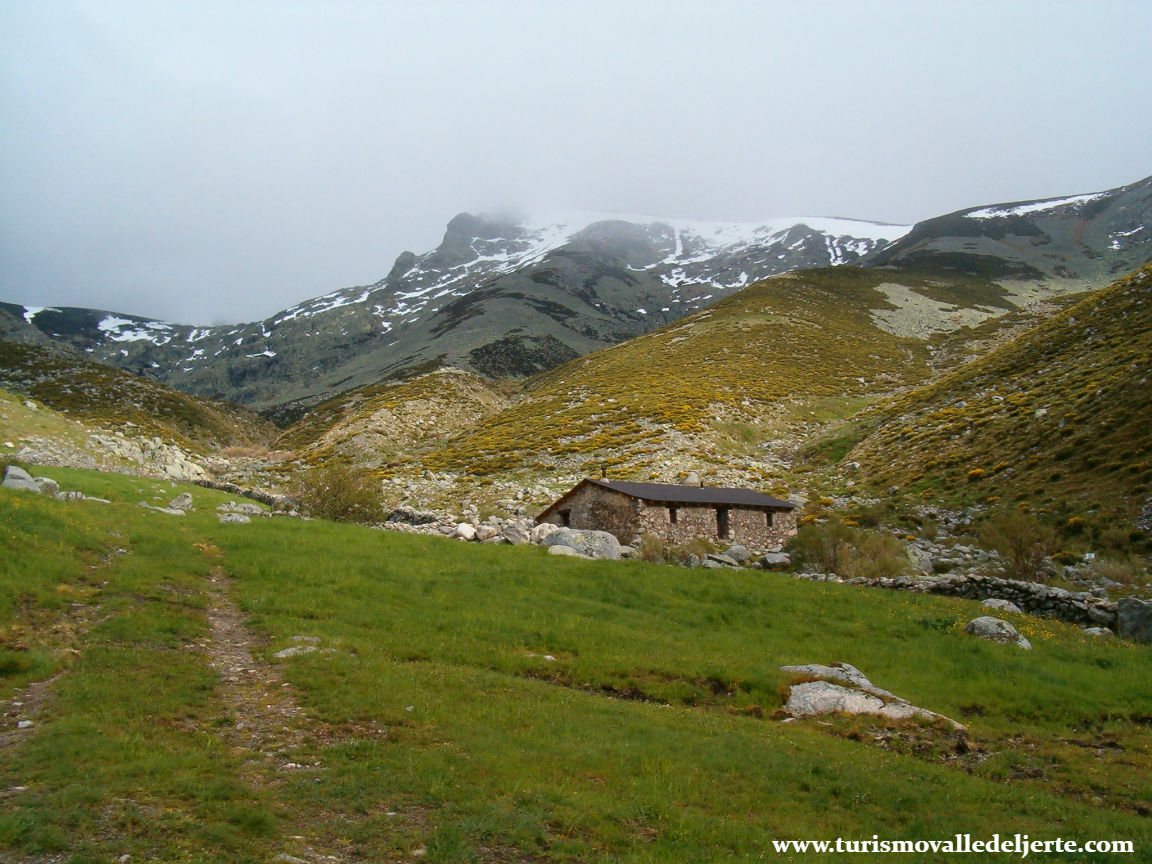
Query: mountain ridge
[511, 298]
[500, 298]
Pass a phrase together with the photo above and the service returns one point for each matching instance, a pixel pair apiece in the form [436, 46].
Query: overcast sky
[216, 162]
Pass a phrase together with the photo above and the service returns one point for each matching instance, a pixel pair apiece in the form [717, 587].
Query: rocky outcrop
[844, 689]
[153, 454]
[1134, 619]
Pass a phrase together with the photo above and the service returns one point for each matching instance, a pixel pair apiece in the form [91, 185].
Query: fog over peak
[205, 162]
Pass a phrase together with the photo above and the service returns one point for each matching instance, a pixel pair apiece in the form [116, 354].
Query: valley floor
[177, 689]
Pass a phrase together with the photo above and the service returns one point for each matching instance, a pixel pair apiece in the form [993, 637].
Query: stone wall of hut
[628, 519]
[752, 528]
[599, 509]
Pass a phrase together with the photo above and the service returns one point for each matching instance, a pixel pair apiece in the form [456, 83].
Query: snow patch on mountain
[125, 330]
[1035, 207]
[31, 312]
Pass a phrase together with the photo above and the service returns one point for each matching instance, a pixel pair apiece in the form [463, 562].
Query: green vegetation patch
[468, 703]
[1057, 418]
[477, 703]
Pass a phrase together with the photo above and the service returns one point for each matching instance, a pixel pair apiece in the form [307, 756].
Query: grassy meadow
[470, 703]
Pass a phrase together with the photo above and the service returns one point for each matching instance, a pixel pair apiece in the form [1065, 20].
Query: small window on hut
[566, 518]
[768, 514]
[672, 515]
[722, 523]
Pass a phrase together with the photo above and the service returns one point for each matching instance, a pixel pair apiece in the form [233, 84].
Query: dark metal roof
[665, 493]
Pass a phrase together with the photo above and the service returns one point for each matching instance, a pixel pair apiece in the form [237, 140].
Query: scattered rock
[1102, 632]
[183, 501]
[738, 553]
[233, 518]
[722, 560]
[167, 510]
[47, 486]
[774, 560]
[996, 630]
[411, 517]
[516, 534]
[539, 532]
[294, 651]
[247, 508]
[465, 531]
[1002, 605]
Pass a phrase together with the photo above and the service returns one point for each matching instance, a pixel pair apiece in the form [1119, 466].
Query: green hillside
[1058, 418]
[458, 703]
[99, 395]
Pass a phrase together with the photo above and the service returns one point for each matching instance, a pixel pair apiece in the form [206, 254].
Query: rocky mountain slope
[511, 298]
[102, 397]
[1035, 247]
[498, 297]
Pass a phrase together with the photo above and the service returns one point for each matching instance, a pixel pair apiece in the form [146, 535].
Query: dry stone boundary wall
[1076, 607]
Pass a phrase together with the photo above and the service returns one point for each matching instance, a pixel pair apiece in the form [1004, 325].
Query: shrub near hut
[847, 551]
[338, 492]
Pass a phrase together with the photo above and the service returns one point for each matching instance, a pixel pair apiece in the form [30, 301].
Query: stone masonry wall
[748, 527]
[1076, 607]
[602, 510]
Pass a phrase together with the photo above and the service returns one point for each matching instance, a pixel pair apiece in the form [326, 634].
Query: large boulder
[516, 534]
[1134, 619]
[17, 478]
[738, 553]
[996, 630]
[594, 544]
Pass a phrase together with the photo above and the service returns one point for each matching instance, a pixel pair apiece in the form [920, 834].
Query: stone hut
[675, 514]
